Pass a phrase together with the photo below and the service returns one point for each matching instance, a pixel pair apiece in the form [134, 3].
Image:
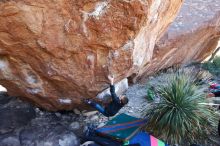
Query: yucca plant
[179, 117]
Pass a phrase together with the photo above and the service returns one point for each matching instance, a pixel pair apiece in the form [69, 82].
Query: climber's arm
[112, 90]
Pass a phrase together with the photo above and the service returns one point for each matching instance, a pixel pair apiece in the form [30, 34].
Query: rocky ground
[22, 124]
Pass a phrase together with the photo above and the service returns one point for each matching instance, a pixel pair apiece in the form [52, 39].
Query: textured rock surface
[22, 124]
[48, 135]
[191, 37]
[13, 113]
[54, 53]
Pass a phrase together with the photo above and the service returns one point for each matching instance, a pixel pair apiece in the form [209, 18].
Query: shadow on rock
[48, 135]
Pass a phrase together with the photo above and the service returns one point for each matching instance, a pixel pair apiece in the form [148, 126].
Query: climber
[114, 106]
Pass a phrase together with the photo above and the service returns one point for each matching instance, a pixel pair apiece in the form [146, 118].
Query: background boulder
[193, 36]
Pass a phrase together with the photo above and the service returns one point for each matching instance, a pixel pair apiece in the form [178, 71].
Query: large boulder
[54, 53]
[192, 37]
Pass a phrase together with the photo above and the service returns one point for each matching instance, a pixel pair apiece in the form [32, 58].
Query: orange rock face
[55, 53]
[191, 37]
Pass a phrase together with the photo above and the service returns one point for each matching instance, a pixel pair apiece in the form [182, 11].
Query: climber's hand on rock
[87, 101]
[111, 79]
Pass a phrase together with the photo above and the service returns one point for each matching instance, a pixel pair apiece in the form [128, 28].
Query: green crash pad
[122, 127]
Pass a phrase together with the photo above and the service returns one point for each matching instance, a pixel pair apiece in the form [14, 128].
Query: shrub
[216, 61]
[196, 75]
[179, 117]
[213, 67]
